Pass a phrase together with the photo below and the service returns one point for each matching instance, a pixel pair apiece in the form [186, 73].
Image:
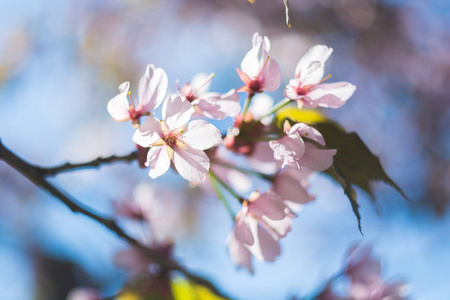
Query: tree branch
[52, 171]
[37, 177]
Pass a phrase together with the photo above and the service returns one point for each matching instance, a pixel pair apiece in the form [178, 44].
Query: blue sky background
[60, 63]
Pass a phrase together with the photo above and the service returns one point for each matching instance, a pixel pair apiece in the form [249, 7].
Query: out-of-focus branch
[52, 171]
[37, 177]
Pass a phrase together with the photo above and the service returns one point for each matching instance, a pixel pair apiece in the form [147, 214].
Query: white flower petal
[191, 163]
[118, 106]
[201, 135]
[148, 133]
[332, 95]
[318, 53]
[254, 60]
[159, 161]
[288, 149]
[309, 132]
[176, 112]
[152, 88]
[200, 83]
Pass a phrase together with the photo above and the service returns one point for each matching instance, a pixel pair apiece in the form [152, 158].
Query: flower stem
[221, 196]
[278, 106]
[247, 103]
[243, 170]
[226, 186]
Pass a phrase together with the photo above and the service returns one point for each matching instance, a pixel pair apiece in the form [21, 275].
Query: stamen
[325, 78]
[130, 100]
[264, 66]
[207, 80]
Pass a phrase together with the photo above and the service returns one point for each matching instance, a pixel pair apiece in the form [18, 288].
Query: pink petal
[290, 188]
[240, 254]
[262, 158]
[317, 159]
[228, 104]
[132, 260]
[332, 95]
[191, 163]
[201, 135]
[242, 230]
[290, 91]
[118, 106]
[288, 149]
[159, 161]
[271, 76]
[268, 204]
[148, 133]
[319, 53]
[176, 112]
[309, 132]
[152, 88]
[268, 248]
[208, 109]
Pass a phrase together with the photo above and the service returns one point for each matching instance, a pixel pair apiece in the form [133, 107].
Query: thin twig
[52, 171]
[35, 175]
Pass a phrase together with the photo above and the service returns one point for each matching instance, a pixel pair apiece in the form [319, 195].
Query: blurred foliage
[184, 290]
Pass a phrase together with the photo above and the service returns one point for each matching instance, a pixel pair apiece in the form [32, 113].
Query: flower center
[255, 86]
[302, 91]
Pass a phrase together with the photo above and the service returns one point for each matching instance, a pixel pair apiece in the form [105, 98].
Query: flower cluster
[284, 157]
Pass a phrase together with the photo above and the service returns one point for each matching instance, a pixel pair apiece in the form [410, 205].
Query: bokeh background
[61, 61]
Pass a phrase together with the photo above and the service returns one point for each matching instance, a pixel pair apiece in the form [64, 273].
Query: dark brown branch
[90, 164]
[36, 176]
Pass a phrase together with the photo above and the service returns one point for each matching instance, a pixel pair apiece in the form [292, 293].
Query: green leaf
[354, 163]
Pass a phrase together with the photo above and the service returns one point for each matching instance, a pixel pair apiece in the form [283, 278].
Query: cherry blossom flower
[307, 87]
[259, 71]
[259, 225]
[173, 139]
[365, 274]
[293, 151]
[211, 105]
[152, 90]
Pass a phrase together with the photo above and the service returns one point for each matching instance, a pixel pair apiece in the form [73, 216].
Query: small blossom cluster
[363, 272]
[285, 157]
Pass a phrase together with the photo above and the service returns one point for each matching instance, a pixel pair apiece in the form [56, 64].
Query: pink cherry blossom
[259, 71]
[293, 151]
[83, 293]
[152, 90]
[262, 221]
[211, 105]
[173, 139]
[367, 283]
[307, 87]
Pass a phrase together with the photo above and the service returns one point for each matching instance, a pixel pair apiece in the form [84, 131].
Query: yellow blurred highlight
[299, 116]
[184, 290]
[127, 295]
